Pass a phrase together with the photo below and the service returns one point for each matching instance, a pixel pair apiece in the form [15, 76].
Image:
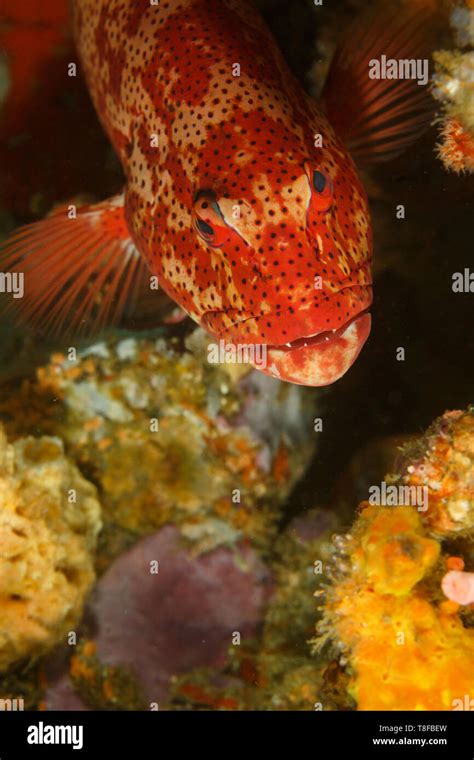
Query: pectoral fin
[81, 268]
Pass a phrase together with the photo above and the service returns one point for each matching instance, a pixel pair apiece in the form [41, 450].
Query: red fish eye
[208, 219]
[322, 191]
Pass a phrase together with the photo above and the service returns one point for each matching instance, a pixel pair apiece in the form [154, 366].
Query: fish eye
[319, 181]
[204, 228]
[208, 220]
[322, 191]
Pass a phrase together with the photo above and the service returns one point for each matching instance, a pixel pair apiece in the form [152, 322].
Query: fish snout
[323, 360]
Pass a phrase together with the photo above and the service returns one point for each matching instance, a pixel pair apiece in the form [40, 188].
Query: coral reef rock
[277, 672]
[159, 611]
[453, 86]
[170, 438]
[442, 462]
[49, 522]
[399, 605]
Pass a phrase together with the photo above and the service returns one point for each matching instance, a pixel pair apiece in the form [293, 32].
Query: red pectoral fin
[80, 268]
[378, 117]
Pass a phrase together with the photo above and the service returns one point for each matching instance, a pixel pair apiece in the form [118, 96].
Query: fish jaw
[308, 347]
[321, 362]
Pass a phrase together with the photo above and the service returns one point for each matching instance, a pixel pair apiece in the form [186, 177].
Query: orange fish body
[217, 142]
[239, 195]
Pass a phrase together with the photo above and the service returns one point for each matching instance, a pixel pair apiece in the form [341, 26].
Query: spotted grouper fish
[242, 200]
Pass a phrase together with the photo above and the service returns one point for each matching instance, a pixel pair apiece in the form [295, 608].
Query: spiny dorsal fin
[379, 118]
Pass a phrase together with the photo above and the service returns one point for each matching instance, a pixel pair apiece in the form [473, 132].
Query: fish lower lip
[321, 337]
[320, 359]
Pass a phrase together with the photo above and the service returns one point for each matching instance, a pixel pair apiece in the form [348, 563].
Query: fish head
[290, 249]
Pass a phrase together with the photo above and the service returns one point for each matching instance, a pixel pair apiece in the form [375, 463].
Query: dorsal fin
[378, 117]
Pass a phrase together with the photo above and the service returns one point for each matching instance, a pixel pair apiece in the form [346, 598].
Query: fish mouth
[322, 358]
